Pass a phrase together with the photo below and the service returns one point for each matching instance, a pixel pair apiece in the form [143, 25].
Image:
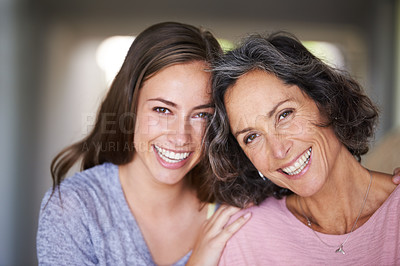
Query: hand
[214, 235]
[396, 176]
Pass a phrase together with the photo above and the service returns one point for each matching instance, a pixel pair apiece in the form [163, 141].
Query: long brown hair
[157, 47]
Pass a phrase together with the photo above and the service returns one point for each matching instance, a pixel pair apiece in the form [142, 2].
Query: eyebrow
[270, 114]
[273, 110]
[242, 131]
[202, 106]
[163, 101]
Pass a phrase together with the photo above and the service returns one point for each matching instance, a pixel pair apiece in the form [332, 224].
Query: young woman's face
[173, 108]
[275, 124]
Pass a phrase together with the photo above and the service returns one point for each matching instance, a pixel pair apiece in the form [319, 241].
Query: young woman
[142, 198]
[289, 126]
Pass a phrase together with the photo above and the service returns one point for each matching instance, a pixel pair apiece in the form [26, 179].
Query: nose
[180, 131]
[279, 145]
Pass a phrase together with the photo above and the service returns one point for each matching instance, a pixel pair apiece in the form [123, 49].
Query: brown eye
[284, 114]
[250, 138]
[162, 110]
[204, 115]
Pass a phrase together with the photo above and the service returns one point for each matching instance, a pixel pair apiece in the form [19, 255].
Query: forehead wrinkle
[232, 106]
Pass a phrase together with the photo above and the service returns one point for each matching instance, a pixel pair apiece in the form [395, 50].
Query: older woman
[289, 126]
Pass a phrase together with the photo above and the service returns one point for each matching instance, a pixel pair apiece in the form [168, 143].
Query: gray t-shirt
[92, 224]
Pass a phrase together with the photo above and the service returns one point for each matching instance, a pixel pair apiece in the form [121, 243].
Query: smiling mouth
[170, 156]
[298, 165]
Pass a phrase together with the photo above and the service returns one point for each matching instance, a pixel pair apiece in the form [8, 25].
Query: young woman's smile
[171, 159]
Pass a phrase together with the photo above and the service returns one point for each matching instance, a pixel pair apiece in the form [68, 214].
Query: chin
[170, 179]
[307, 192]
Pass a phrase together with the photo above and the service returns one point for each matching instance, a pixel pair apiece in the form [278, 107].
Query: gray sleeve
[63, 236]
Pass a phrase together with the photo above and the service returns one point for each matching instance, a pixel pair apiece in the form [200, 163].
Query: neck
[145, 194]
[336, 206]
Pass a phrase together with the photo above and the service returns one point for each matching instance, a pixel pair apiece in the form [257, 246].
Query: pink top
[274, 236]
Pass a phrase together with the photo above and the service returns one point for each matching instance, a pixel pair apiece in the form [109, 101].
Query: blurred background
[57, 59]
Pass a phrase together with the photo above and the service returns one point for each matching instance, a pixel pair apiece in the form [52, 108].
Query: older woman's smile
[299, 164]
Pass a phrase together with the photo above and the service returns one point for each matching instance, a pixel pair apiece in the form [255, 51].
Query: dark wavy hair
[156, 48]
[339, 98]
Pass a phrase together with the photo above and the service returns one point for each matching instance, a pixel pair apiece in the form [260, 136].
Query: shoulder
[80, 191]
[93, 178]
[383, 191]
[392, 199]
[271, 211]
[87, 220]
[69, 215]
[262, 230]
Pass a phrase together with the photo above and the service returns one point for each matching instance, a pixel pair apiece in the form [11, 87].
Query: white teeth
[299, 165]
[170, 156]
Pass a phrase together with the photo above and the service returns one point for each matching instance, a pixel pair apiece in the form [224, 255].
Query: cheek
[256, 156]
[324, 135]
[304, 130]
[149, 125]
[198, 130]
[332, 143]
[297, 127]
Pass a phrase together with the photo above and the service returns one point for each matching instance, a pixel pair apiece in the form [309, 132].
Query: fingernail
[397, 179]
[247, 215]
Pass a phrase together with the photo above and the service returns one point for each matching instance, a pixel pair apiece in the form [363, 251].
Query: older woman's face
[275, 124]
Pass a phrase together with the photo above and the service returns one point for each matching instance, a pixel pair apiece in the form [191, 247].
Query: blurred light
[327, 52]
[226, 45]
[112, 51]
[111, 54]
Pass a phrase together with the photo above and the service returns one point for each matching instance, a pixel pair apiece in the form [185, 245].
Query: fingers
[396, 176]
[216, 232]
[396, 171]
[231, 229]
[218, 228]
[224, 209]
[222, 215]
